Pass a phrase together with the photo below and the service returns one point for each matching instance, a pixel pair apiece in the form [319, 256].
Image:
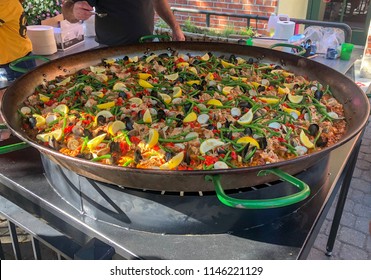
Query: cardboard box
[66, 34]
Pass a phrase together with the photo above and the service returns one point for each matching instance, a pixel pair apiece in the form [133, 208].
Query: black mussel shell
[101, 120]
[318, 94]
[125, 58]
[114, 147]
[210, 126]
[262, 142]
[321, 142]
[187, 107]
[88, 133]
[250, 61]
[168, 156]
[261, 88]
[161, 115]
[244, 104]
[180, 79]
[163, 55]
[32, 122]
[123, 95]
[128, 123]
[245, 150]
[227, 124]
[137, 156]
[296, 86]
[179, 121]
[229, 135]
[277, 67]
[187, 158]
[248, 131]
[313, 129]
[232, 58]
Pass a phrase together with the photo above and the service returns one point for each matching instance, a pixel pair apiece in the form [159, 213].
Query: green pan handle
[300, 49]
[13, 64]
[13, 147]
[154, 36]
[3, 126]
[263, 203]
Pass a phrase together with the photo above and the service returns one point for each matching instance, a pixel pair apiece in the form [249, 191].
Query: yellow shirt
[14, 42]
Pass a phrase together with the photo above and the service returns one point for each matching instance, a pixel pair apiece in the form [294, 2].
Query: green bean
[177, 140]
[102, 157]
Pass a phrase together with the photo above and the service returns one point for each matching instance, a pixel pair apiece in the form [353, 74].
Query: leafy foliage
[38, 10]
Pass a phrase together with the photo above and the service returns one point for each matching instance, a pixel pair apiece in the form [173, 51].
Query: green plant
[38, 10]
[248, 31]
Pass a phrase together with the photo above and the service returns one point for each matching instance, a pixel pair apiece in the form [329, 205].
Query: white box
[68, 35]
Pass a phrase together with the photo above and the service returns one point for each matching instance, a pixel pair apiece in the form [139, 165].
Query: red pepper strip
[209, 160]
[124, 147]
[233, 155]
[68, 129]
[134, 139]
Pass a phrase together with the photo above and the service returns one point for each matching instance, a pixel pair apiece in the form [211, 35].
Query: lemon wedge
[172, 77]
[226, 64]
[115, 127]
[110, 61]
[246, 118]
[210, 144]
[173, 162]
[283, 90]
[193, 70]
[93, 143]
[177, 92]
[240, 60]
[44, 98]
[304, 139]
[256, 84]
[102, 77]
[291, 111]
[40, 120]
[295, 98]
[64, 82]
[205, 57]
[165, 97]
[193, 82]
[62, 108]
[182, 64]
[248, 140]
[106, 105]
[269, 100]
[150, 58]
[133, 59]
[45, 137]
[214, 102]
[119, 86]
[209, 77]
[152, 138]
[98, 94]
[144, 76]
[97, 69]
[147, 118]
[144, 84]
[136, 100]
[227, 90]
[191, 117]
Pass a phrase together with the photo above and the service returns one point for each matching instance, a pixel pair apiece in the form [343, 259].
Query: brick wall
[255, 7]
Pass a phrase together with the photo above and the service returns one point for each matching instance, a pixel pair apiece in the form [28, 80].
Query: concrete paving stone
[367, 200]
[356, 196]
[349, 252]
[361, 224]
[352, 237]
[348, 219]
[325, 225]
[366, 175]
[360, 184]
[316, 254]
[368, 244]
[357, 173]
[365, 149]
[363, 164]
[349, 205]
[362, 210]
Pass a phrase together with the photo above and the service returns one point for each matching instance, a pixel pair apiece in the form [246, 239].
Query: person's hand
[178, 35]
[82, 10]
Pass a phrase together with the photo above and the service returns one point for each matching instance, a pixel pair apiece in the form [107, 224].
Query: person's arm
[73, 12]
[162, 8]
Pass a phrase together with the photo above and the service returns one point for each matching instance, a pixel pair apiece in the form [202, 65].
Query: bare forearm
[162, 8]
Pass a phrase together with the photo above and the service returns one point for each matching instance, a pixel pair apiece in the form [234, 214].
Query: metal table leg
[342, 197]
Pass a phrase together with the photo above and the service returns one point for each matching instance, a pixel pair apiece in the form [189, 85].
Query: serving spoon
[101, 15]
